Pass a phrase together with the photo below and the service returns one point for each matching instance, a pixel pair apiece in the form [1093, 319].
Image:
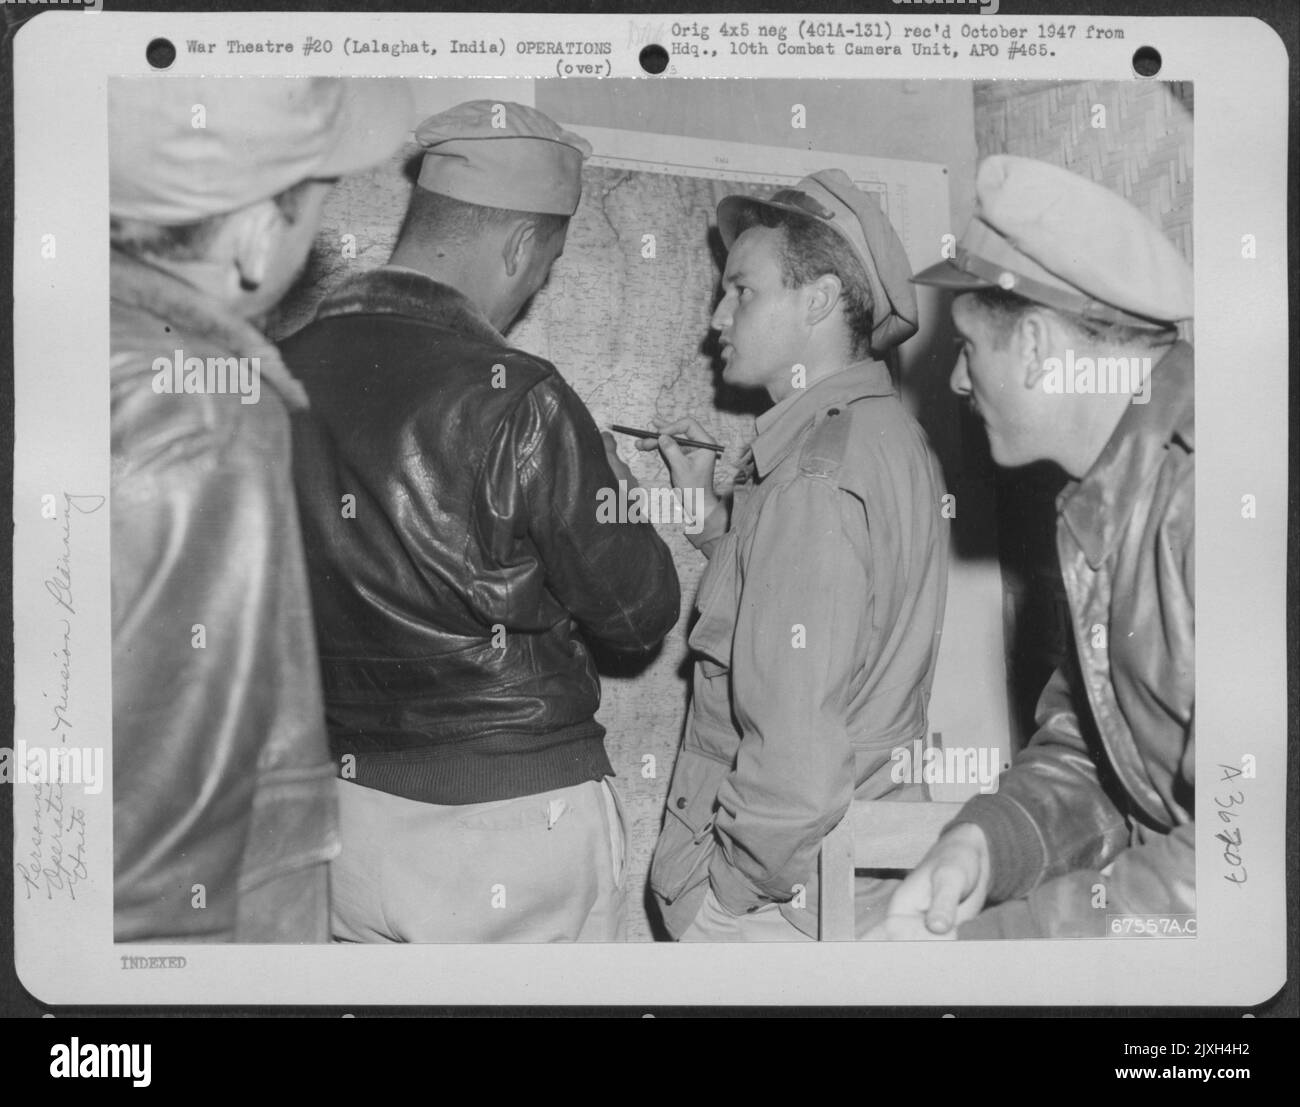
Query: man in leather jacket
[1067, 300]
[223, 812]
[449, 487]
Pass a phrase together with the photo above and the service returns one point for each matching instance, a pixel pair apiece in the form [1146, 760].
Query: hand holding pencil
[690, 453]
[647, 435]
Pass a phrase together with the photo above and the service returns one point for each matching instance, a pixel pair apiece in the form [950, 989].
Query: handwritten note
[51, 854]
[56, 852]
[1230, 809]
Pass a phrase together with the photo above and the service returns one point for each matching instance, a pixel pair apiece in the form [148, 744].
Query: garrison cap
[831, 197]
[502, 155]
[1060, 240]
[260, 135]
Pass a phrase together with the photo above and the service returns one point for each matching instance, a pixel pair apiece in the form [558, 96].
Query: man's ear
[518, 247]
[823, 294]
[1033, 336]
[254, 235]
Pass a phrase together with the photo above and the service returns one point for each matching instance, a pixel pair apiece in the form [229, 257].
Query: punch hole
[160, 53]
[654, 59]
[1146, 61]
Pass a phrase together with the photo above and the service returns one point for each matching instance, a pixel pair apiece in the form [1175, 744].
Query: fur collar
[394, 290]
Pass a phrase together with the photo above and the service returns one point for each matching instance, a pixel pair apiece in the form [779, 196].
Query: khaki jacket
[819, 620]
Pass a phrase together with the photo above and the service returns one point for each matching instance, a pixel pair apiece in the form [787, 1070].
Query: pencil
[680, 441]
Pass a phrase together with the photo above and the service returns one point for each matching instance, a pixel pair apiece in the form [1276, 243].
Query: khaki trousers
[714, 923]
[542, 868]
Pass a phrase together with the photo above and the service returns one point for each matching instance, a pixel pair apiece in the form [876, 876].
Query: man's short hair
[810, 249]
[189, 241]
[1003, 310]
[433, 217]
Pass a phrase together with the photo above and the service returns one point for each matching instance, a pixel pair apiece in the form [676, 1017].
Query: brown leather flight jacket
[449, 486]
[223, 794]
[1094, 821]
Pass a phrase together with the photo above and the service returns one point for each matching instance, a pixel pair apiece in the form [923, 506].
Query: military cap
[1060, 240]
[831, 197]
[259, 136]
[502, 155]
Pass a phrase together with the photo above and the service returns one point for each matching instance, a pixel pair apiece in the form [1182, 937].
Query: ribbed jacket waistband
[500, 768]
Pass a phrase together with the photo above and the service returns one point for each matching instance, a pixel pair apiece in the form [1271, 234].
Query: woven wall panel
[1144, 151]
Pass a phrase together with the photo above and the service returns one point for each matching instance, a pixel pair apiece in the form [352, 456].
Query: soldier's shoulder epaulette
[824, 449]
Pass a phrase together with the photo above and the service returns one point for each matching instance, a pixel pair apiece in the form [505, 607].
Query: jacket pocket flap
[710, 638]
[691, 802]
[682, 855]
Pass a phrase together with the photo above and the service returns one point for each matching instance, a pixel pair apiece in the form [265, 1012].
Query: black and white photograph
[626, 484]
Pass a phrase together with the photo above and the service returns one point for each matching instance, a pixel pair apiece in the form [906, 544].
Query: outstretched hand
[946, 889]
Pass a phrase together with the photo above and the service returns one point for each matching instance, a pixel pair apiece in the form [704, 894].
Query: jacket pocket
[710, 638]
[681, 859]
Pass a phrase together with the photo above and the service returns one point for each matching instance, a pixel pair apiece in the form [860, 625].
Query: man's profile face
[761, 323]
[992, 374]
[288, 251]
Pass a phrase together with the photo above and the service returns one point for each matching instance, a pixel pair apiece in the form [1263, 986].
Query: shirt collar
[781, 426]
[1097, 508]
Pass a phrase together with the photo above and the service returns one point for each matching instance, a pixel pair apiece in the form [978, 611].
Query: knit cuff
[1016, 855]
